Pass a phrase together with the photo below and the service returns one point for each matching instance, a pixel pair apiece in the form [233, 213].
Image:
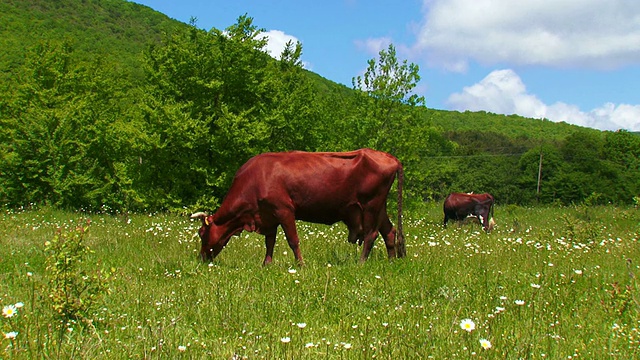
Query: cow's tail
[492, 221]
[493, 202]
[401, 251]
[492, 206]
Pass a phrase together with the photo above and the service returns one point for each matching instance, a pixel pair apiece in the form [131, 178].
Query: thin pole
[539, 176]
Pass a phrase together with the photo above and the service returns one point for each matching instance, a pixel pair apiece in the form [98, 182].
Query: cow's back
[451, 201]
[462, 204]
[458, 205]
[318, 186]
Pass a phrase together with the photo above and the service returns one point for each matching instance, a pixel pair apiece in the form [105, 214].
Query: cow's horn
[199, 215]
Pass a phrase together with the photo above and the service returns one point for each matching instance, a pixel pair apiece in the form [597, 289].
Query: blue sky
[576, 61]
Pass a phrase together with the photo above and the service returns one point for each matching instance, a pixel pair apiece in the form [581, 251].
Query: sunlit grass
[546, 283]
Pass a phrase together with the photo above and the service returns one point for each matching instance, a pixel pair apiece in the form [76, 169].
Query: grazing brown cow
[274, 189]
[457, 206]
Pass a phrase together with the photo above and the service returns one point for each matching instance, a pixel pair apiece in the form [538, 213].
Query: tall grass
[546, 283]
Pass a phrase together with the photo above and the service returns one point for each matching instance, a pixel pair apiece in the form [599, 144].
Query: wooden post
[539, 177]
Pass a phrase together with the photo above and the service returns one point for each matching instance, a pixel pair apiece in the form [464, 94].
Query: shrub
[74, 288]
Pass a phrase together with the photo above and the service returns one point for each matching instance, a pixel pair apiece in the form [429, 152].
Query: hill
[512, 126]
[113, 29]
[110, 103]
[120, 31]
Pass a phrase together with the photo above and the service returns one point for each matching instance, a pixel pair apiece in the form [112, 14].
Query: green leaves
[213, 99]
[74, 288]
[168, 129]
[56, 122]
[386, 107]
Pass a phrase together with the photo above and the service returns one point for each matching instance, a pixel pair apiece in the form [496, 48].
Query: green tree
[387, 115]
[56, 126]
[179, 108]
[212, 100]
[292, 114]
[529, 168]
[386, 104]
[587, 171]
[623, 148]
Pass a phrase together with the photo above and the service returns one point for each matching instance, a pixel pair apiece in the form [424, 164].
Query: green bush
[76, 287]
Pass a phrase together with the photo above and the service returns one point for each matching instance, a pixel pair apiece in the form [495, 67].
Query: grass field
[547, 283]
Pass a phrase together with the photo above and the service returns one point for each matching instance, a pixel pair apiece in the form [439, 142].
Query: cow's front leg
[354, 223]
[353, 236]
[289, 227]
[270, 242]
[484, 219]
[355, 232]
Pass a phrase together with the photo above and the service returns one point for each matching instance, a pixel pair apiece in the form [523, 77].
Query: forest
[111, 106]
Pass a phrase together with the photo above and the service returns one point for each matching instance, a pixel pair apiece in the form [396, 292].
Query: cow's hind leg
[388, 233]
[288, 223]
[447, 217]
[369, 240]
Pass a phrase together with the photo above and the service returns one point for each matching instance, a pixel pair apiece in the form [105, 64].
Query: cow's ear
[208, 220]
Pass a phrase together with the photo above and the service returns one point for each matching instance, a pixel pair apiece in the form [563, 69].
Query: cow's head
[492, 224]
[210, 237]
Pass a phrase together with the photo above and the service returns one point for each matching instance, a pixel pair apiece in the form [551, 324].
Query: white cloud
[276, 41]
[503, 92]
[601, 34]
[624, 115]
[374, 45]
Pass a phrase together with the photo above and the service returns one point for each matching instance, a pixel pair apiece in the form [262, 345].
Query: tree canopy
[162, 118]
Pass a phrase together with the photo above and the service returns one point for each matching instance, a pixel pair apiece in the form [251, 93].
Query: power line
[472, 156]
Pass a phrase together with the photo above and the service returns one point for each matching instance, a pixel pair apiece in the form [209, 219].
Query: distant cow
[274, 189]
[458, 206]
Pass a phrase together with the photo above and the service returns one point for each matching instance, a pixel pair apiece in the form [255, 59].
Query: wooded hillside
[107, 104]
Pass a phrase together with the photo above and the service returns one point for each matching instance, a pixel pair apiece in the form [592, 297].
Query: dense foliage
[130, 111]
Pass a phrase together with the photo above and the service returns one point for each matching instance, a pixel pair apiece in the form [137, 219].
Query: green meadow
[547, 283]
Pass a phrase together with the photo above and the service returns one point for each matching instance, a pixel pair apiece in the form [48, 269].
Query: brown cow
[274, 189]
[458, 206]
